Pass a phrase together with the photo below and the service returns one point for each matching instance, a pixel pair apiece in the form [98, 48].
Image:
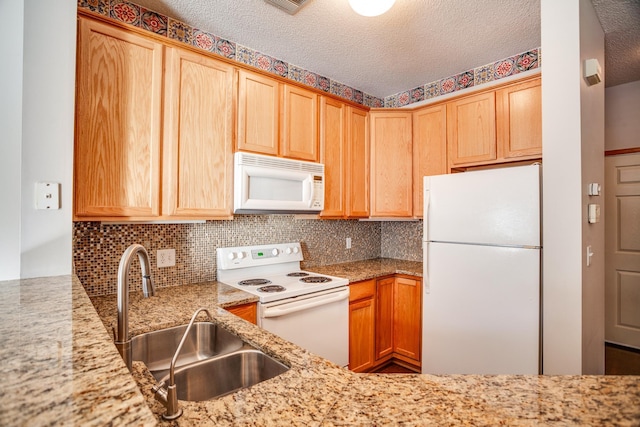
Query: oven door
[317, 322]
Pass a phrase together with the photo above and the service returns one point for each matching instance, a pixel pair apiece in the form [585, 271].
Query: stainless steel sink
[205, 340]
[213, 362]
[216, 377]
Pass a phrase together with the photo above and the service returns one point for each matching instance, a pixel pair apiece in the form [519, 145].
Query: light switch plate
[47, 195]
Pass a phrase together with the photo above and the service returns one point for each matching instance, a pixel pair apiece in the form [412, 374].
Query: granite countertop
[370, 269]
[64, 369]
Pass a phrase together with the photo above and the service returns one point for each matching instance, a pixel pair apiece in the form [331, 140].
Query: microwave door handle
[312, 191]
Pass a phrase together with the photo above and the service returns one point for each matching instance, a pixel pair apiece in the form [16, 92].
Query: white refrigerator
[482, 261]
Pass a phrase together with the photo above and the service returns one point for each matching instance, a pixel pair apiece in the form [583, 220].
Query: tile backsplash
[97, 247]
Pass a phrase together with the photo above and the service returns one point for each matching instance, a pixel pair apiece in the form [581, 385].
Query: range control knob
[240, 255]
[288, 251]
[231, 256]
[274, 252]
[295, 250]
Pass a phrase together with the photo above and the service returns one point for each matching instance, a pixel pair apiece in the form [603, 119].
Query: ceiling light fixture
[371, 7]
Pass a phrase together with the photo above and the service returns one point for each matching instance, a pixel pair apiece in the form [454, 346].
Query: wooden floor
[621, 360]
[394, 368]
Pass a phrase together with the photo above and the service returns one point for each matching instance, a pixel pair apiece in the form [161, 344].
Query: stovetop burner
[254, 282]
[315, 279]
[298, 274]
[272, 288]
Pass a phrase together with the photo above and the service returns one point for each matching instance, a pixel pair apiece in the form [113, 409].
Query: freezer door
[481, 314]
[497, 206]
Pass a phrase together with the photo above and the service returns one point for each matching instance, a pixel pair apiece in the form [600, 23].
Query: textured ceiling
[416, 42]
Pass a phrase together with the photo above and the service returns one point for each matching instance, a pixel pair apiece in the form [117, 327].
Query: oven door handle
[284, 309]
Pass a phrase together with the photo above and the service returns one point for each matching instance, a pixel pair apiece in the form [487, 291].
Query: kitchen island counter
[62, 368]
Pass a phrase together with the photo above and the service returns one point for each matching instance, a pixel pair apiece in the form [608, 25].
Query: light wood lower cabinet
[362, 314]
[247, 312]
[407, 319]
[385, 322]
[384, 318]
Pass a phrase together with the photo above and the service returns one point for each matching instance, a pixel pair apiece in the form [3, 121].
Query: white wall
[622, 116]
[592, 99]
[565, 119]
[11, 30]
[42, 35]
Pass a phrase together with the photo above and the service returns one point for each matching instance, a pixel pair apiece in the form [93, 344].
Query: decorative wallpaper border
[506, 67]
[149, 20]
[132, 14]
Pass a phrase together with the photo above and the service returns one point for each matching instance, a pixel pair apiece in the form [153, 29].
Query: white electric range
[306, 308]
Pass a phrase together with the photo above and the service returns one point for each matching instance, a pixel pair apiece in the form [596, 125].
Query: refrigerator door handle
[425, 264]
[425, 243]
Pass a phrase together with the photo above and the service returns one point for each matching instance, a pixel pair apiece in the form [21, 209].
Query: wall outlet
[348, 242]
[166, 258]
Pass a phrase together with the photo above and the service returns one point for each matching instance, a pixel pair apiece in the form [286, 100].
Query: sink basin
[205, 340]
[216, 377]
[213, 362]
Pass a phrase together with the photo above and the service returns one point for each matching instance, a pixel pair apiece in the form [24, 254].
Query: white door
[481, 310]
[494, 206]
[622, 255]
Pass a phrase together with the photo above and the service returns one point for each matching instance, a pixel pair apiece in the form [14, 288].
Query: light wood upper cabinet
[299, 138]
[519, 120]
[276, 119]
[344, 147]
[391, 164]
[198, 137]
[471, 128]
[333, 156]
[496, 126]
[119, 172]
[429, 149]
[357, 166]
[259, 99]
[118, 123]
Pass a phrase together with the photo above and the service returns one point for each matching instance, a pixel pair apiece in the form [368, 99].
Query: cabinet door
[247, 312]
[471, 128]
[299, 134]
[384, 317]
[118, 122]
[407, 318]
[357, 168]
[429, 149]
[198, 139]
[332, 143]
[258, 113]
[361, 335]
[519, 120]
[391, 164]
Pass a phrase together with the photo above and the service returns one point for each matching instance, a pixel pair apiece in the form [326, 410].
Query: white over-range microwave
[266, 184]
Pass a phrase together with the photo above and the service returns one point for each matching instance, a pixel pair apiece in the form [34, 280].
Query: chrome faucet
[122, 339]
[169, 396]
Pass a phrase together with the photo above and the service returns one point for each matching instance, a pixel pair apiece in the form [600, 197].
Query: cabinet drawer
[360, 290]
